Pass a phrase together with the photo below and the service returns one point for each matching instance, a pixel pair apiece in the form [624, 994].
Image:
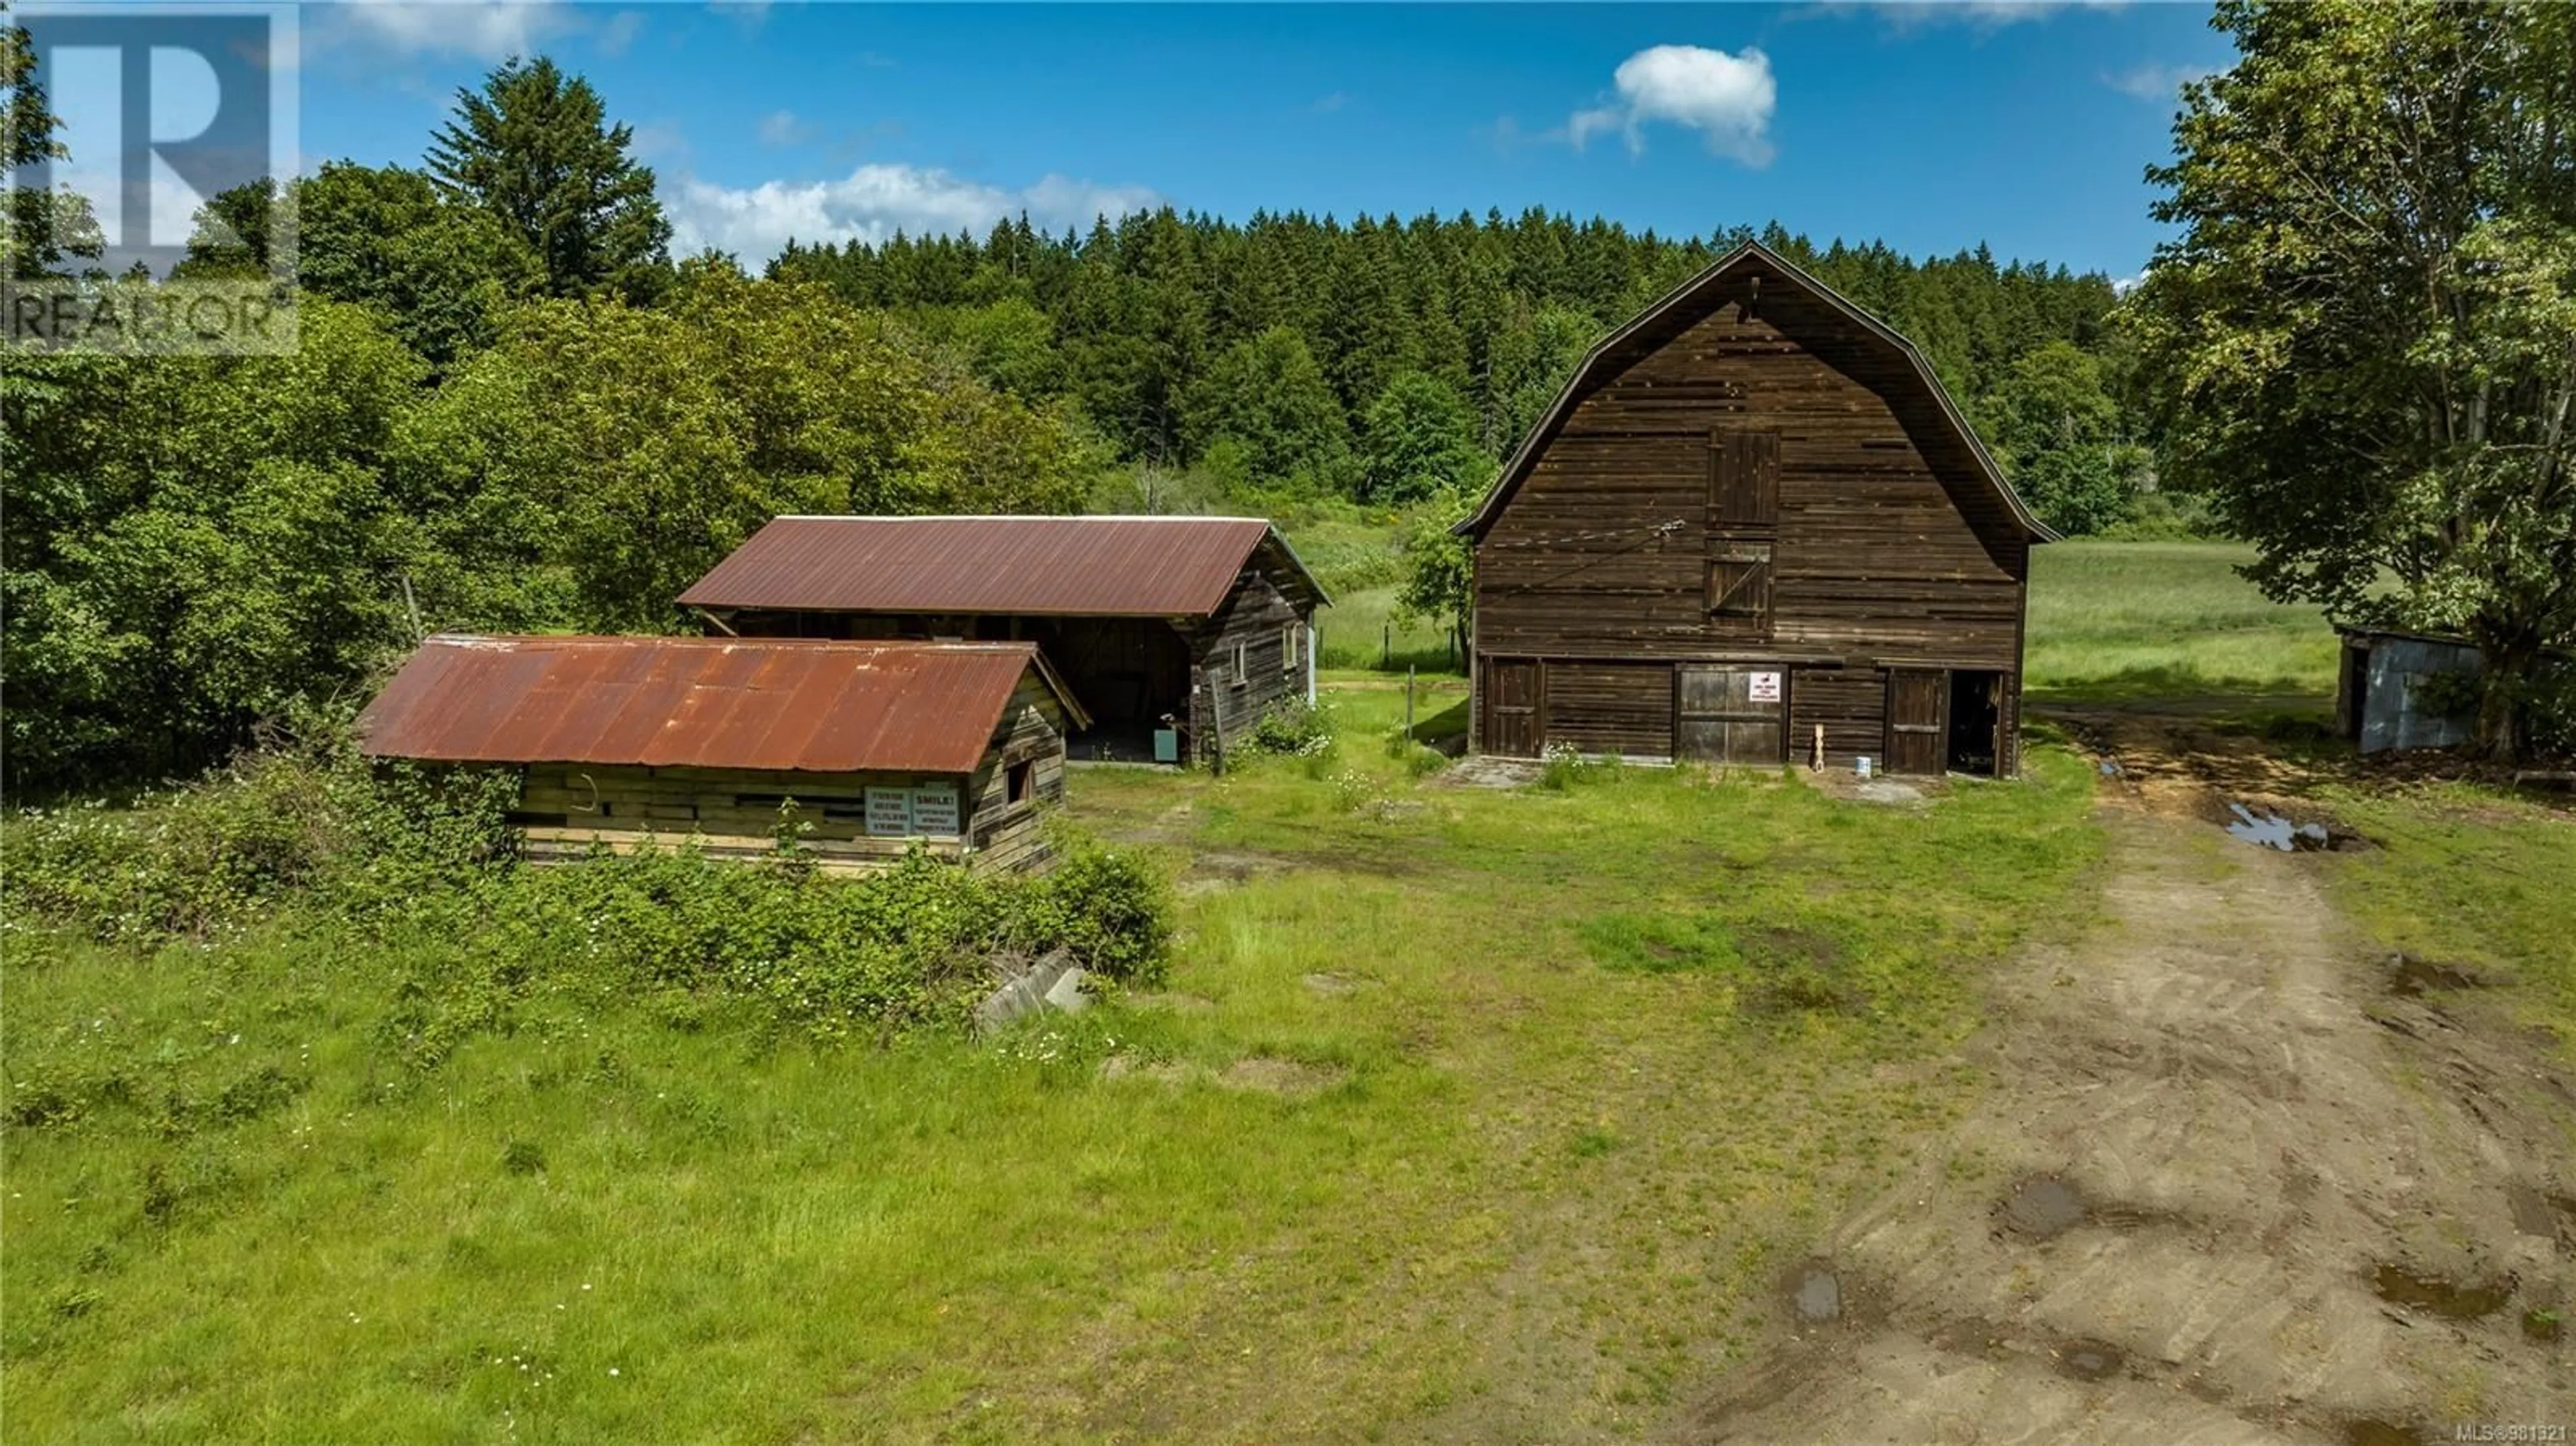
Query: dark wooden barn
[1176, 632]
[1751, 515]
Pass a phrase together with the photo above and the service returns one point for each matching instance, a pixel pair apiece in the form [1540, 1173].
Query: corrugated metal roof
[1064, 566]
[811, 706]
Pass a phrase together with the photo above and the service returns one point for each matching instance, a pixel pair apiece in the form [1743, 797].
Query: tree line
[513, 408]
[1385, 359]
[508, 409]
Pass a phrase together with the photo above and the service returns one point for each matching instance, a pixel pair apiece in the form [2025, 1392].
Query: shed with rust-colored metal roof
[867, 746]
[1178, 632]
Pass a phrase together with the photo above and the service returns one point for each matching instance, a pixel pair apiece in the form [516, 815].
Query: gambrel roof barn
[1753, 517]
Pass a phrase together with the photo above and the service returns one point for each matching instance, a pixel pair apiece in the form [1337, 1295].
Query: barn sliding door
[1918, 720]
[1736, 717]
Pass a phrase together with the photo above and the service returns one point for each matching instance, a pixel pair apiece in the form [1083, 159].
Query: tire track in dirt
[2213, 1129]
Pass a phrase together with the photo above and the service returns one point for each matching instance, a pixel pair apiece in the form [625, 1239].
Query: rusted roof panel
[811, 706]
[1060, 566]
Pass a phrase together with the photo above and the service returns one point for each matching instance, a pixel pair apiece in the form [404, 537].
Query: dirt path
[2229, 1186]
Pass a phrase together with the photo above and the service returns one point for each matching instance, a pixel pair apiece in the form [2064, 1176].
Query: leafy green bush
[400, 858]
[1107, 907]
[1293, 729]
[202, 860]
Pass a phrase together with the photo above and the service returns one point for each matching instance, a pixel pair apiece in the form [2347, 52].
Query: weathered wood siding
[1008, 833]
[734, 813]
[1128, 672]
[1615, 546]
[1850, 704]
[1624, 708]
[1255, 616]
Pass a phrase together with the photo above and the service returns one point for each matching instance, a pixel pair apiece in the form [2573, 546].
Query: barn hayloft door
[1918, 720]
[1732, 716]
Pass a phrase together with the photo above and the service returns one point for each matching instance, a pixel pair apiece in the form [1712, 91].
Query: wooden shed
[1752, 514]
[1177, 632]
[875, 745]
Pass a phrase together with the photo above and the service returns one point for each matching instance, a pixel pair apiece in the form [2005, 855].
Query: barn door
[1730, 716]
[1512, 709]
[1918, 723]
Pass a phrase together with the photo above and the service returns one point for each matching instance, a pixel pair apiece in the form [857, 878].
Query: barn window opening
[1022, 781]
[1739, 592]
[1242, 664]
[1288, 648]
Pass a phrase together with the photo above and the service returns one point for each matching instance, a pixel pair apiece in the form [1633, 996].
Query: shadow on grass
[2180, 688]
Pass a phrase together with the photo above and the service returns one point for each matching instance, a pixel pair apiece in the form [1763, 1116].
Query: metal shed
[2382, 697]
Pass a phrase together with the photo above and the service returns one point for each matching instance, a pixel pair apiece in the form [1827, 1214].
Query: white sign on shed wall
[1765, 688]
[926, 812]
[934, 811]
[889, 813]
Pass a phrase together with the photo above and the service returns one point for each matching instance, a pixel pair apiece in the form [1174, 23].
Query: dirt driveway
[2238, 1179]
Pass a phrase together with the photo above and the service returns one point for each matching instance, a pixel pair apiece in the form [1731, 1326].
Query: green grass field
[1465, 1114]
[2125, 621]
[1487, 1108]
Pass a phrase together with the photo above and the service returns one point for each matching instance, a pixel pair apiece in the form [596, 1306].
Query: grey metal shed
[2382, 700]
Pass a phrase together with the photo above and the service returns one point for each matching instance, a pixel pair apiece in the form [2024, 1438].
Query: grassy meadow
[2131, 621]
[1465, 1114]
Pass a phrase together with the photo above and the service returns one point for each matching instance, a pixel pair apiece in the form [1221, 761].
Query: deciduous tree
[2365, 337]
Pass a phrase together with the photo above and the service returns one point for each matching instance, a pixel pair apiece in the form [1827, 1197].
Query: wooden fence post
[1216, 715]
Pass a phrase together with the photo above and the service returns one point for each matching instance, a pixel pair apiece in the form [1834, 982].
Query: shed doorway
[1732, 717]
[1976, 722]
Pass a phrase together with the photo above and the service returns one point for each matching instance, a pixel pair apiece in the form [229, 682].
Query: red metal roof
[811, 706]
[1065, 566]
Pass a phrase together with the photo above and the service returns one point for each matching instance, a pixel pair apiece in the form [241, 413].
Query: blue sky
[1932, 126]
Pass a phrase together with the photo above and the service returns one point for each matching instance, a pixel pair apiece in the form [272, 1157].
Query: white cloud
[782, 128]
[2157, 82]
[1982, 14]
[487, 30]
[872, 203]
[1727, 98]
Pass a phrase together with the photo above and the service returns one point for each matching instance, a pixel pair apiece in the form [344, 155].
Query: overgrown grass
[2129, 621]
[1410, 1144]
[2468, 876]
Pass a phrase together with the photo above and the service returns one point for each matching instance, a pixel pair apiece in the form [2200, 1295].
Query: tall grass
[1406, 1139]
[2112, 621]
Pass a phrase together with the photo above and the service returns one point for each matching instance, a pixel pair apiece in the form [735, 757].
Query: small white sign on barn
[889, 813]
[1765, 688]
[934, 811]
